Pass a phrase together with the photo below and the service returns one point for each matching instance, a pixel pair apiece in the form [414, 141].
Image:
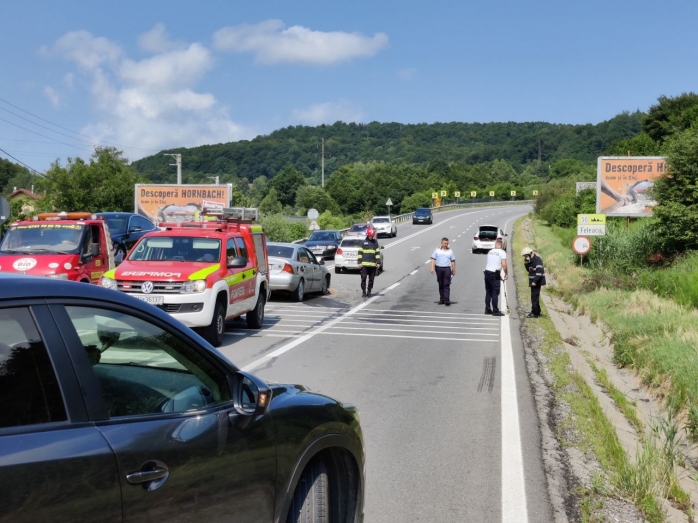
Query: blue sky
[149, 75]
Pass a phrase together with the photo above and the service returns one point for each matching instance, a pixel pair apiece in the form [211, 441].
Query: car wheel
[214, 332]
[337, 270]
[299, 293]
[325, 285]
[256, 316]
[310, 503]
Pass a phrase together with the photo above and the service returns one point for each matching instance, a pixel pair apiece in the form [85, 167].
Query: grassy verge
[652, 476]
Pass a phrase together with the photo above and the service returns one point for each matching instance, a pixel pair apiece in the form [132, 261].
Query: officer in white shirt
[443, 262]
[496, 264]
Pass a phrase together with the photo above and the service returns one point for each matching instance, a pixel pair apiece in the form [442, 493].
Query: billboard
[624, 184]
[179, 203]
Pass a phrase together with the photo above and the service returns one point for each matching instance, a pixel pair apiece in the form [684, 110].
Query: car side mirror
[251, 397]
[321, 262]
[506, 234]
[237, 263]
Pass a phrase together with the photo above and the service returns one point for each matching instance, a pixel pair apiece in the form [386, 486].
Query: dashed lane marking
[414, 272]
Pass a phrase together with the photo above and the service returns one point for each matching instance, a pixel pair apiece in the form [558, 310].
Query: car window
[321, 236]
[139, 221]
[280, 251]
[143, 369]
[303, 255]
[310, 256]
[351, 242]
[230, 250]
[381, 220]
[117, 223]
[29, 391]
[242, 248]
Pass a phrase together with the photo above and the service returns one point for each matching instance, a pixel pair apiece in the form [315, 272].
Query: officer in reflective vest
[536, 279]
[369, 259]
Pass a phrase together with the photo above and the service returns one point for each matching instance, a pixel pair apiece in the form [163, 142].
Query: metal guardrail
[451, 207]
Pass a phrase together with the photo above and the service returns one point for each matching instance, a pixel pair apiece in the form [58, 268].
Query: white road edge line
[414, 272]
[514, 509]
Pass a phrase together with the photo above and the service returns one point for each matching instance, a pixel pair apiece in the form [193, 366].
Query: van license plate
[153, 300]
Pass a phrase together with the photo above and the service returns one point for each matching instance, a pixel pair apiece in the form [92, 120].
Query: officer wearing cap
[496, 264]
[443, 262]
[536, 278]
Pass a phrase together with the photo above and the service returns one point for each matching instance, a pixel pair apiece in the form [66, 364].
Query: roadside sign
[513, 193]
[313, 214]
[389, 202]
[535, 193]
[434, 195]
[591, 230]
[581, 245]
[4, 210]
[473, 194]
[444, 194]
[491, 193]
[591, 219]
[456, 194]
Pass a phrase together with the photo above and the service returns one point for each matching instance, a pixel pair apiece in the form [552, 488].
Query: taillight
[476, 238]
[339, 250]
[287, 268]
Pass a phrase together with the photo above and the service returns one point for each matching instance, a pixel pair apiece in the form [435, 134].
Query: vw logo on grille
[147, 287]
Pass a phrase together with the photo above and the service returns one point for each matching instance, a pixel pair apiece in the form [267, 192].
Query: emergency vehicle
[203, 273]
[68, 246]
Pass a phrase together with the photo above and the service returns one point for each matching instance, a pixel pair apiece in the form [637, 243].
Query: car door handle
[143, 476]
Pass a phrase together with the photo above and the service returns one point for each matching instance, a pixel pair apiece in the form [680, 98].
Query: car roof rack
[240, 214]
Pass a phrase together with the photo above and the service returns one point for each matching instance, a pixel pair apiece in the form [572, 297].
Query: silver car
[486, 236]
[293, 268]
[384, 226]
[348, 253]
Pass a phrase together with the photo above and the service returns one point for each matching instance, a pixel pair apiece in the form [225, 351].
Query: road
[451, 432]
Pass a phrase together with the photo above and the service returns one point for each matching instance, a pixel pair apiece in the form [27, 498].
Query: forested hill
[472, 143]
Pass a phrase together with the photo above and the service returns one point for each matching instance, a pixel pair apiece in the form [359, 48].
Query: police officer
[369, 259]
[536, 278]
[496, 265]
[443, 261]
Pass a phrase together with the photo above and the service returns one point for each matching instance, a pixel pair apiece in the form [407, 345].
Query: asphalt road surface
[451, 432]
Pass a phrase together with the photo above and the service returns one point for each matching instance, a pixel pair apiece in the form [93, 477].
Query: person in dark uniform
[369, 259]
[536, 279]
[443, 262]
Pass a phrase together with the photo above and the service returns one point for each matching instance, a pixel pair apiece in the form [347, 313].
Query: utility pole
[540, 154]
[213, 178]
[178, 159]
[323, 162]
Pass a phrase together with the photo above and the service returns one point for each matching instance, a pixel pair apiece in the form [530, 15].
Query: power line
[43, 135]
[70, 130]
[44, 127]
[21, 162]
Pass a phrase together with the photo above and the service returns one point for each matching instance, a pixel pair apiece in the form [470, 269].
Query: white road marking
[427, 261]
[406, 319]
[413, 248]
[414, 272]
[392, 287]
[460, 314]
[407, 325]
[301, 339]
[410, 330]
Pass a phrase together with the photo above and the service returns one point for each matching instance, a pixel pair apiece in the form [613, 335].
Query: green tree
[259, 189]
[571, 168]
[105, 183]
[13, 175]
[287, 183]
[677, 194]
[329, 221]
[671, 115]
[420, 199]
[640, 145]
[311, 197]
[271, 204]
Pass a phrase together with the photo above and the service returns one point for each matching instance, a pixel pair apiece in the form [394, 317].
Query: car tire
[325, 285]
[311, 499]
[299, 293]
[337, 270]
[255, 317]
[215, 331]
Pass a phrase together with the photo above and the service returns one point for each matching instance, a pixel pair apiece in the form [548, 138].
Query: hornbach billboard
[179, 203]
[624, 184]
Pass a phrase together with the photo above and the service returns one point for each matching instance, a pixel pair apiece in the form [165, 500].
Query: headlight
[108, 283]
[193, 286]
[60, 276]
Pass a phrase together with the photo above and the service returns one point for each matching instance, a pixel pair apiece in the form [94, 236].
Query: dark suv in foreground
[114, 411]
[422, 215]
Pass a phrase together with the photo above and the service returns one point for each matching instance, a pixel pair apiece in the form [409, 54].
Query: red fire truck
[203, 273]
[69, 246]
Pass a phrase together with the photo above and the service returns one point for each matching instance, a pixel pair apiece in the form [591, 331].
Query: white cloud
[88, 51]
[272, 42]
[69, 80]
[157, 40]
[52, 95]
[151, 104]
[329, 113]
[406, 74]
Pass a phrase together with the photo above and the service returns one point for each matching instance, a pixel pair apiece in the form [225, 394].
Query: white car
[486, 236]
[384, 226]
[348, 252]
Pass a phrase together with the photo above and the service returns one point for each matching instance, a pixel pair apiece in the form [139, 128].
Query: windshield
[280, 251]
[117, 224]
[43, 237]
[321, 236]
[421, 211]
[177, 248]
[352, 243]
[359, 227]
[381, 220]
